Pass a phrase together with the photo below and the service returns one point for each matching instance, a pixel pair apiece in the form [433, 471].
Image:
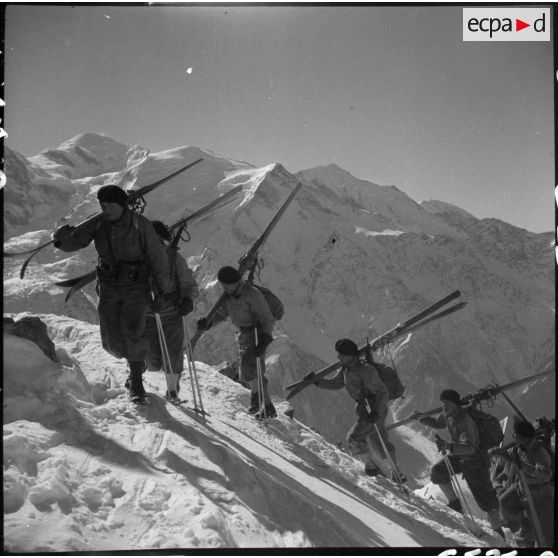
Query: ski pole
[193, 372]
[396, 473]
[195, 375]
[532, 511]
[382, 443]
[186, 346]
[388, 455]
[467, 513]
[191, 368]
[167, 366]
[261, 400]
[526, 490]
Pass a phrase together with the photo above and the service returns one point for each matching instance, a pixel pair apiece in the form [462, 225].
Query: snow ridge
[92, 472]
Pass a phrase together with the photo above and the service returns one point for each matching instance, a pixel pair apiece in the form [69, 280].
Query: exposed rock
[34, 329]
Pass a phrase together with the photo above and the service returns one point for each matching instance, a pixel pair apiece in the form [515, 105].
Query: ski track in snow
[100, 473]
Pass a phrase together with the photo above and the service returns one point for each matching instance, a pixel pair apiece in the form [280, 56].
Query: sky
[392, 94]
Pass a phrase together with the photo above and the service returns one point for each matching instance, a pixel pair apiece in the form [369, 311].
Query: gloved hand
[373, 416]
[203, 324]
[441, 444]
[415, 415]
[62, 233]
[264, 340]
[158, 302]
[185, 306]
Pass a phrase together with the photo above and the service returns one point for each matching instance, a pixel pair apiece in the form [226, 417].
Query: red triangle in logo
[519, 25]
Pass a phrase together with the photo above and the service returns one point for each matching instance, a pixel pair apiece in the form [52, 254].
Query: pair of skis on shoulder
[76, 283]
[134, 196]
[420, 319]
[485, 394]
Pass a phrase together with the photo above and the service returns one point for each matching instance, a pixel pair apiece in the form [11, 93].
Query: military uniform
[536, 464]
[363, 383]
[129, 253]
[183, 284]
[247, 309]
[471, 460]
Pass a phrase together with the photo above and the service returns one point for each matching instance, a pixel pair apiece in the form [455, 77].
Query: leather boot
[137, 368]
[455, 505]
[254, 403]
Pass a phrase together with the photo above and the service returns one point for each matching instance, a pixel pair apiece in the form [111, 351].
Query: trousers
[173, 331]
[476, 474]
[122, 310]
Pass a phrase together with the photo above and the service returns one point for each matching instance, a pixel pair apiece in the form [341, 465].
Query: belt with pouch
[123, 270]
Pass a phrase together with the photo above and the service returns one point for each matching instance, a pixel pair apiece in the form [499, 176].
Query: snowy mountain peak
[87, 155]
[437, 206]
[98, 144]
[394, 210]
[332, 176]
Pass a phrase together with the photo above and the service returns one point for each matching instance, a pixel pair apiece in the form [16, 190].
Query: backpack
[391, 379]
[274, 303]
[488, 426]
[388, 375]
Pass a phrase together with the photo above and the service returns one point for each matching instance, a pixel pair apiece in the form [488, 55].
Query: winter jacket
[126, 242]
[462, 429]
[246, 308]
[362, 382]
[182, 282]
[183, 279]
[535, 462]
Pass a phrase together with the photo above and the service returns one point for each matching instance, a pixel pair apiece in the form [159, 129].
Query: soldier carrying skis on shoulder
[371, 395]
[247, 308]
[465, 456]
[529, 455]
[129, 253]
[179, 303]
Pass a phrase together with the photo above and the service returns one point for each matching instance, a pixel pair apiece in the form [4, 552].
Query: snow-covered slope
[349, 258]
[86, 470]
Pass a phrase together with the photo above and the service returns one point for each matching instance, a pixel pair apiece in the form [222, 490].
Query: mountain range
[349, 258]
